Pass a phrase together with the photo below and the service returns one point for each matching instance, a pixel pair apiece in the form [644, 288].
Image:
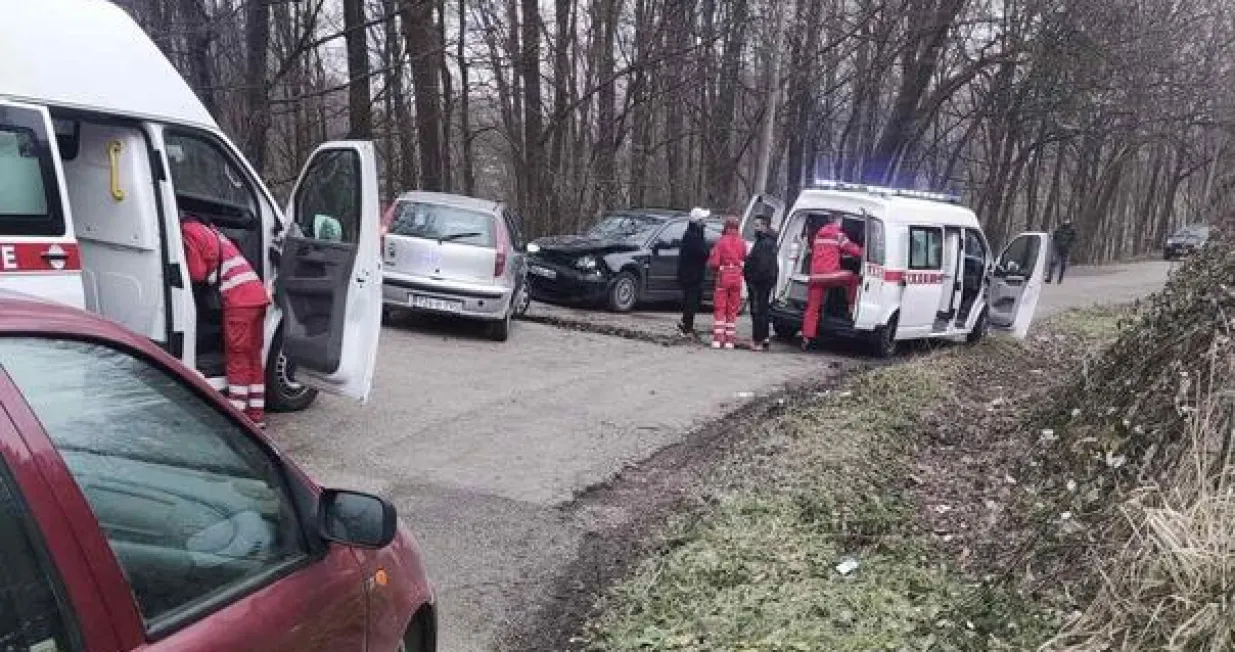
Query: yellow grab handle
[113, 153]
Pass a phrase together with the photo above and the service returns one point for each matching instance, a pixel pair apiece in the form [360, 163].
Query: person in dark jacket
[1061, 243]
[760, 272]
[692, 260]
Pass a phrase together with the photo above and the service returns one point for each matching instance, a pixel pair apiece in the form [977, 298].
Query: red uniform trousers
[243, 340]
[819, 286]
[726, 302]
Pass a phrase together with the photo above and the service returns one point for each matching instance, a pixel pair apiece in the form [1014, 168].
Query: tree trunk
[359, 96]
[721, 164]
[533, 145]
[607, 12]
[420, 34]
[199, 40]
[465, 106]
[257, 49]
[448, 100]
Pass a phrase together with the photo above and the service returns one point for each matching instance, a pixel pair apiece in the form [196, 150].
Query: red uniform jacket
[826, 249]
[208, 253]
[728, 253]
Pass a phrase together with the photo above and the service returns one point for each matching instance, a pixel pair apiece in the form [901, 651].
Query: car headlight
[586, 263]
[533, 248]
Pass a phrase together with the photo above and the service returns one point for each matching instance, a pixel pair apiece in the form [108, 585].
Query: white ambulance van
[103, 146]
[927, 270]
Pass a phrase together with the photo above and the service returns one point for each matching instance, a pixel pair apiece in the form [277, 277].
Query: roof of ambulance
[90, 55]
[888, 207]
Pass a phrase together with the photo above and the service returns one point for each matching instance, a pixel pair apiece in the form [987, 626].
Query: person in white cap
[692, 259]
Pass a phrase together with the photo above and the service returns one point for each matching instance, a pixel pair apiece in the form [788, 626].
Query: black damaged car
[629, 257]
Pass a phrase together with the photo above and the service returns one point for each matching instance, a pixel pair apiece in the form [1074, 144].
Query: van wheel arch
[884, 342]
[283, 394]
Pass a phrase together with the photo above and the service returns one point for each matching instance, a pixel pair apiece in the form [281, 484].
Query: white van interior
[111, 188]
[121, 227]
[795, 254]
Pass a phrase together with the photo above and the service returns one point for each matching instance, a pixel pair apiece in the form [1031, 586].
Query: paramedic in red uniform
[214, 260]
[726, 262]
[826, 273]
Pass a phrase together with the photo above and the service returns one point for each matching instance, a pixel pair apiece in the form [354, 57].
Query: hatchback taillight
[503, 249]
[499, 262]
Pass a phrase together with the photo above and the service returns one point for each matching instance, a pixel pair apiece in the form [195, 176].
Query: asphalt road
[481, 445]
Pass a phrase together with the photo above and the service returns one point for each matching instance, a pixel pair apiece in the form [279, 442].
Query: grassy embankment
[1068, 492]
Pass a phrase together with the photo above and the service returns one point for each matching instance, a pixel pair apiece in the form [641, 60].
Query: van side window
[206, 180]
[925, 248]
[328, 199]
[29, 192]
[874, 241]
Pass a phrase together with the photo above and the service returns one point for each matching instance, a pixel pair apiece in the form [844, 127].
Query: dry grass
[1171, 585]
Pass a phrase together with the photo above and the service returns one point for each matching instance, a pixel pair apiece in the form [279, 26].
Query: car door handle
[58, 256]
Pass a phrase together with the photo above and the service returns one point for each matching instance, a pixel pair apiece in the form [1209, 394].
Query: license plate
[543, 271]
[432, 303]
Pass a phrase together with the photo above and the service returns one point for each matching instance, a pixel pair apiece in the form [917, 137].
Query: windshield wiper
[457, 236]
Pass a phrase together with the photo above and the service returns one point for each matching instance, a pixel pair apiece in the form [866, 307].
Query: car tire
[784, 330]
[283, 393]
[624, 292]
[419, 636]
[523, 301]
[499, 331]
[980, 328]
[884, 344]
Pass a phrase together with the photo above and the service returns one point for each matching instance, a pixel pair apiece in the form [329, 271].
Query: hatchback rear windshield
[439, 222]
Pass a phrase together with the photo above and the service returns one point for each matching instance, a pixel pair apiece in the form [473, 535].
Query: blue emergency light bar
[828, 184]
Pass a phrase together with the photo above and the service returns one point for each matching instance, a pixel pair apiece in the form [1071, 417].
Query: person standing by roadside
[826, 273]
[214, 261]
[1061, 243]
[761, 272]
[692, 260]
[726, 260]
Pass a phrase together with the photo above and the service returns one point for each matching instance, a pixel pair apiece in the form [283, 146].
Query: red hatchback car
[138, 510]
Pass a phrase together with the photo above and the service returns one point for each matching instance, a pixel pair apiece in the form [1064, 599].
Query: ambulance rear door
[1016, 284]
[38, 252]
[329, 283]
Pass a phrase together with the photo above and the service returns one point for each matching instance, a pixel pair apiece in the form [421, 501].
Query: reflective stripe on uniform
[239, 279]
[238, 390]
[238, 404]
[232, 263]
[257, 403]
[258, 389]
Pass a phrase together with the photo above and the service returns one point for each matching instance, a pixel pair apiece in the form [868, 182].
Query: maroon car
[138, 510]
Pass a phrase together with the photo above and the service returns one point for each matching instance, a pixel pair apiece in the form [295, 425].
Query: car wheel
[980, 327]
[884, 342]
[523, 301]
[499, 331]
[283, 393]
[624, 292]
[419, 636]
[784, 330]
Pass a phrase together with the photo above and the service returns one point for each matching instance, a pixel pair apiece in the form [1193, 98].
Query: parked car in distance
[629, 257]
[139, 510]
[1186, 240]
[455, 255]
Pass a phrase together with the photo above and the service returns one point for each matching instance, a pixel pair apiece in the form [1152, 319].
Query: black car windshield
[441, 222]
[630, 227]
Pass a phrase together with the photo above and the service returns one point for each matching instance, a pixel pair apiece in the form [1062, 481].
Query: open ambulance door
[761, 206]
[1016, 283]
[330, 280]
